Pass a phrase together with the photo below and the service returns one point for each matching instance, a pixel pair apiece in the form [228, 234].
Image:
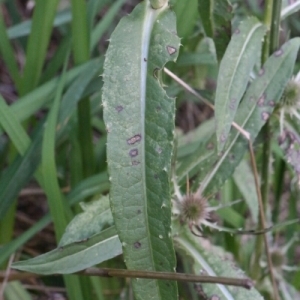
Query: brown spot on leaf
[222, 138]
[137, 245]
[158, 150]
[261, 100]
[136, 138]
[171, 50]
[119, 108]
[134, 152]
[265, 116]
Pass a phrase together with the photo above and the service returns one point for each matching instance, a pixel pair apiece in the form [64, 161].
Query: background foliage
[54, 181]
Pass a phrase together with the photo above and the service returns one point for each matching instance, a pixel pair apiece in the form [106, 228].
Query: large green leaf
[255, 109]
[76, 256]
[236, 66]
[213, 261]
[139, 118]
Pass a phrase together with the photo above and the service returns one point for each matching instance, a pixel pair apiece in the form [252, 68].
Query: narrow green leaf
[186, 12]
[57, 60]
[290, 9]
[204, 54]
[24, 28]
[257, 105]
[105, 22]
[13, 128]
[244, 179]
[42, 20]
[236, 65]
[93, 8]
[20, 172]
[212, 261]
[75, 92]
[7, 53]
[222, 14]
[80, 31]
[205, 8]
[139, 118]
[81, 45]
[216, 21]
[48, 164]
[76, 256]
[26, 106]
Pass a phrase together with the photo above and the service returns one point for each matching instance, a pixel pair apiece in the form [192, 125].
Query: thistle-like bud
[290, 100]
[194, 209]
[291, 95]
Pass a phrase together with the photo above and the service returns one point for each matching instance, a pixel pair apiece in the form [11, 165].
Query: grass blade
[81, 44]
[102, 26]
[42, 21]
[32, 102]
[24, 28]
[19, 173]
[8, 56]
[57, 205]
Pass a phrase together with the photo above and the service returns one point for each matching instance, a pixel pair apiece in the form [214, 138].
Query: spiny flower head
[194, 209]
[290, 100]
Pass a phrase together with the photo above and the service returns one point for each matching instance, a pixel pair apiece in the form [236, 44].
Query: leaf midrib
[150, 17]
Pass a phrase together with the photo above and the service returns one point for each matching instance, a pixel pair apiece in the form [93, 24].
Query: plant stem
[123, 273]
